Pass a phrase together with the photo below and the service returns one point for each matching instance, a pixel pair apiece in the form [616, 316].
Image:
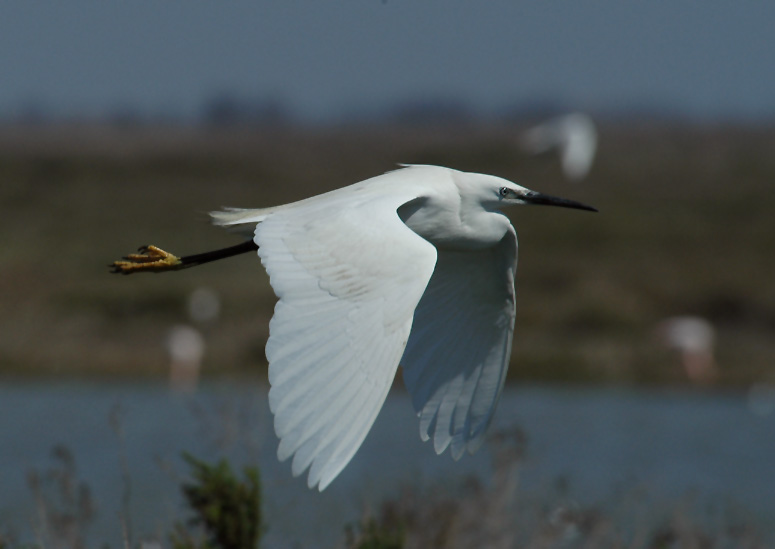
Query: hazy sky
[707, 58]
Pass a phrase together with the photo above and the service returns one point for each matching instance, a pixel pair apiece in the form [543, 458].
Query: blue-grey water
[127, 440]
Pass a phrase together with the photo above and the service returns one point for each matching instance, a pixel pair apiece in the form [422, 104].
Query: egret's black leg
[206, 257]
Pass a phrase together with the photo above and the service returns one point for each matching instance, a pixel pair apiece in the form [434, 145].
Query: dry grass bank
[686, 226]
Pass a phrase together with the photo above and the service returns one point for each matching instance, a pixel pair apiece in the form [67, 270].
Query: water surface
[127, 439]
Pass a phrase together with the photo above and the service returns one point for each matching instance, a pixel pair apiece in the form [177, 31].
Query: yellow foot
[150, 259]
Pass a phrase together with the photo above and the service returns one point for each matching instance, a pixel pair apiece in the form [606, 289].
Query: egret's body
[415, 267]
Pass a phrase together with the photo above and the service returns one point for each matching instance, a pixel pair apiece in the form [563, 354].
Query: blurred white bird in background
[573, 135]
[186, 347]
[694, 338]
[415, 267]
[186, 344]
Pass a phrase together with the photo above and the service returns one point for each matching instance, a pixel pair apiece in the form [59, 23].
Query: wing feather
[348, 275]
[455, 370]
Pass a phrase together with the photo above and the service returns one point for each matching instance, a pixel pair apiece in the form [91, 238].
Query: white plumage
[573, 135]
[415, 267]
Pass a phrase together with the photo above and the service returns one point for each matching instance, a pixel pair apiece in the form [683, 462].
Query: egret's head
[509, 195]
[498, 192]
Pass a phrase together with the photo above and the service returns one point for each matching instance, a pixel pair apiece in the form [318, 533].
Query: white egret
[186, 347]
[574, 135]
[415, 267]
[694, 338]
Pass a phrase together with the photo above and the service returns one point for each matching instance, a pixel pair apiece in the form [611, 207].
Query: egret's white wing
[349, 274]
[456, 360]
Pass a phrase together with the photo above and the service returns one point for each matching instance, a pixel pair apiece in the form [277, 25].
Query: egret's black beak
[533, 197]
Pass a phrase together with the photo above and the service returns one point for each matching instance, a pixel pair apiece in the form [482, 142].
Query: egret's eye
[504, 191]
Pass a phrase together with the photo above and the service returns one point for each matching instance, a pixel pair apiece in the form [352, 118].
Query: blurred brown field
[686, 226]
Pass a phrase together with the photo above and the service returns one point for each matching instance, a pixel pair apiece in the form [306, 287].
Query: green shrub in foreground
[226, 509]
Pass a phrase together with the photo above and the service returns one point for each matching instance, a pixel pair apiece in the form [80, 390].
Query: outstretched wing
[456, 360]
[349, 274]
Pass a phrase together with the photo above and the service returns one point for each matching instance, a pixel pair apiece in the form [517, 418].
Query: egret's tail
[239, 216]
[240, 220]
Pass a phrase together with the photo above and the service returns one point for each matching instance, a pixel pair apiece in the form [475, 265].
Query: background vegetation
[686, 226]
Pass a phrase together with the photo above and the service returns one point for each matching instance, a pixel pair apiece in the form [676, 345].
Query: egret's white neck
[454, 224]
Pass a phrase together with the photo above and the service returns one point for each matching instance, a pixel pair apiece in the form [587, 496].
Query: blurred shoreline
[685, 228]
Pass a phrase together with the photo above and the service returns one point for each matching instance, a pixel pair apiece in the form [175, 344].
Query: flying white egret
[574, 135]
[415, 267]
